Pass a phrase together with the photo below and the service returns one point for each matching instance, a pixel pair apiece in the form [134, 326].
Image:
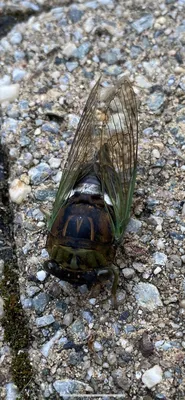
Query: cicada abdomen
[92, 205]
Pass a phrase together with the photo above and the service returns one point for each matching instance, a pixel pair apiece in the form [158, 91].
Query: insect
[92, 205]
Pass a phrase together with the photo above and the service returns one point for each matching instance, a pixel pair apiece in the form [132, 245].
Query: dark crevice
[14, 321]
[10, 16]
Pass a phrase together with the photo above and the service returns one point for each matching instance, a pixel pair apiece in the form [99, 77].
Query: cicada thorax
[81, 238]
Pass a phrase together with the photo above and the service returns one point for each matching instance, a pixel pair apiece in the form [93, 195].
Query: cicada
[93, 202]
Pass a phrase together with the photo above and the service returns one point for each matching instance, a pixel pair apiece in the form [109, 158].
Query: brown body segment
[81, 237]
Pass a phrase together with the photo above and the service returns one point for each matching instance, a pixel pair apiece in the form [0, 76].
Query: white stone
[41, 275]
[97, 346]
[123, 342]
[161, 20]
[160, 244]
[73, 121]
[9, 92]
[69, 49]
[11, 391]
[55, 75]
[152, 376]
[128, 272]
[47, 346]
[16, 38]
[138, 375]
[57, 177]
[151, 67]
[183, 209]
[37, 131]
[160, 258]
[142, 82]
[157, 270]
[155, 153]
[54, 162]
[92, 301]
[89, 25]
[18, 191]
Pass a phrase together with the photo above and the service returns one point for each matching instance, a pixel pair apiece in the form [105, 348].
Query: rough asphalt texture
[80, 344]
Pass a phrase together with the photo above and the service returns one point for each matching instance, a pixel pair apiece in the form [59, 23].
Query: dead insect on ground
[92, 205]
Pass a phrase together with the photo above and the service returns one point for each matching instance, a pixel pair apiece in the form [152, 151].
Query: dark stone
[72, 345]
[146, 345]
[61, 306]
[59, 60]
[76, 358]
[124, 315]
[176, 235]
[158, 33]
[178, 57]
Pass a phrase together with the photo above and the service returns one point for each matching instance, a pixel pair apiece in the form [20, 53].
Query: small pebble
[128, 273]
[155, 153]
[51, 127]
[75, 14]
[69, 49]
[40, 302]
[182, 304]
[160, 258]
[157, 270]
[39, 173]
[41, 275]
[69, 386]
[54, 162]
[68, 319]
[11, 391]
[145, 22]
[45, 349]
[134, 226]
[19, 191]
[97, 346]
[156, 101]
[152, 376]
[147, 296]
[82, 50]
[18, 74]
[9, 93]
[16, 38]
[45, 320]
[73, 121]
[71, 66]
[112, 359]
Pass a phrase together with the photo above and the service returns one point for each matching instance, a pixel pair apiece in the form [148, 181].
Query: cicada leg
[109, 271]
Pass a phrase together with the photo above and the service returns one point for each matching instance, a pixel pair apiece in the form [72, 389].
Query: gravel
[49, 63]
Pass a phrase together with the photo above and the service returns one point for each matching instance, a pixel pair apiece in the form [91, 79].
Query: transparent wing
[81, 154]
[118, 151]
